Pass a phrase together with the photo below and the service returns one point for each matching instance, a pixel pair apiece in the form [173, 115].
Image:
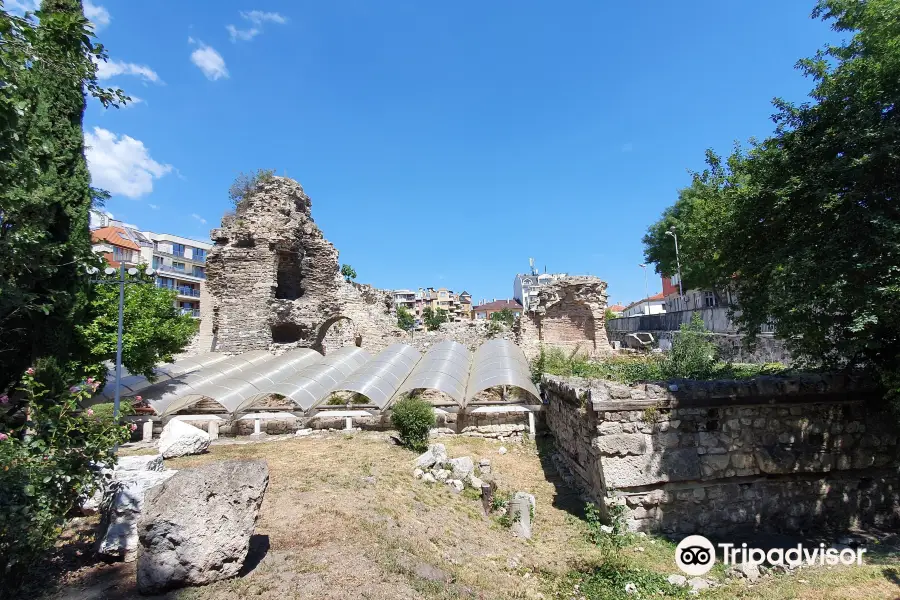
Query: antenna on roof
[531, 264]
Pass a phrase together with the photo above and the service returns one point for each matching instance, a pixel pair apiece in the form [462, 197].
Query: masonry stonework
[275, 284]
[768, 454]
[570, 314]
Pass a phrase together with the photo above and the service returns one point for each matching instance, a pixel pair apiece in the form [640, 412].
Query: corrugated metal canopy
[499, 362]
[314, 383]
[182, 391]
[132, 384]
[380, 378]
[307, 378]
[444, 368]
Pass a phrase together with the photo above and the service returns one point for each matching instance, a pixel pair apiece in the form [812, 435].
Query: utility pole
[646, 292]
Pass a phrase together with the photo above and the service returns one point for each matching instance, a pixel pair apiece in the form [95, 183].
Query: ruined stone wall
[274, 281]
[570, 314]
[470, 334]
[713, 457]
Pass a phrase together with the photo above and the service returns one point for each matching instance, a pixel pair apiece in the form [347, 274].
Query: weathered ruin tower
[274, 280]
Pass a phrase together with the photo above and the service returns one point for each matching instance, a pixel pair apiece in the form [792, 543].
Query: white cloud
[153, 206]
[96, 14]
[244, 35]
[199, 218]
[121, 165]
[628, 147]
[111, 68]
[258, 17]
[210, 62]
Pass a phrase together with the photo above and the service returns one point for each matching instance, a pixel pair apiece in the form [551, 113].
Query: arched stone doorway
[336, 332]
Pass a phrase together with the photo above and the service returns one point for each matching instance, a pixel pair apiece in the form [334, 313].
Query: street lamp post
[671, 232]
[121, 282]
[646, 290]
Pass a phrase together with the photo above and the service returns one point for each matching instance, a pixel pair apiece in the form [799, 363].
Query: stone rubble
[123, 502]
[181, 439]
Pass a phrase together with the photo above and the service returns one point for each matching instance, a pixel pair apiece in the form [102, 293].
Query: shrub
[693, 354]
[104, 411]
[49, 463]
[413, 418]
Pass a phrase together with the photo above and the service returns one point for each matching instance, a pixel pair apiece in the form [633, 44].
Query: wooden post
[487, 497]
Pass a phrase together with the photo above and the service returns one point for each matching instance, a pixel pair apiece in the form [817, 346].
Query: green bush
[48, 464]
[413, 418]
[693, 354]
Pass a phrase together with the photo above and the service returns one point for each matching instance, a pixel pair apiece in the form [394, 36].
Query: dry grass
[334, 534]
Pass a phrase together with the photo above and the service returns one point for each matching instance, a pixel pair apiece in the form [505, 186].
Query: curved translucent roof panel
[132, 384]
[238, 391]
[169, 396]
[380, 378]
[499, 362]
[444, 368]
[315, 382]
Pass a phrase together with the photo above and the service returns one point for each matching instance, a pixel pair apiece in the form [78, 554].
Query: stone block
[623, 444]
[645, 469]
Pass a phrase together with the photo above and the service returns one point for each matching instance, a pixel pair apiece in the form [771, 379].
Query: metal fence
[715, 319]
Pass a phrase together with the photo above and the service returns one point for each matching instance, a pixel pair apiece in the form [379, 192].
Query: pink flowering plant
[50, 450]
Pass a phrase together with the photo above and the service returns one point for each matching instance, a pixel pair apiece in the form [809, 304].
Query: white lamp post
[646, 292]
[671, 232]
[121, 281]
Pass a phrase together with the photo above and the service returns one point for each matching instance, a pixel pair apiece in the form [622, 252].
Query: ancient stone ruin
[571, 315]
[274, 281]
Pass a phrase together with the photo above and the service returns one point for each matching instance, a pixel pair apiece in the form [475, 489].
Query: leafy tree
[698, 217]
[348, 272]
[805, 226]
[505, 316]
[405, 319]
[433, 318]
[608, 315]
[154, 330]
[45, 192]
[244, 185]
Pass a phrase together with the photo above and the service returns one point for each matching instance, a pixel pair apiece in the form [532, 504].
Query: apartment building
[527, 286]
[457, 306]
[180, 262]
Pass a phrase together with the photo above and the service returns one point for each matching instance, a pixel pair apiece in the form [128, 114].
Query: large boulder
[180, 439]
[196, 528]
[122, 505]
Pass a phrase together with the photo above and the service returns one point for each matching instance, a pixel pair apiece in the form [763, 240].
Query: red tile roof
[617, 308]
[116, 236]
[498, 305]
[652, 298]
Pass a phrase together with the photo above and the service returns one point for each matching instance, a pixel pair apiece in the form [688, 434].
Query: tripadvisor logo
[695, 555]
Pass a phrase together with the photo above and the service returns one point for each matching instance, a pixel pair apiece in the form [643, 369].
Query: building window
[121, 254]
[178, 266]
[709, 299]
[178, 249]
[165, 282]
[199, 254]
[199, 272]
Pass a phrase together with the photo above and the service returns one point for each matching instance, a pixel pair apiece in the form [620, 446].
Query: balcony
[194, 312]
[181, 256]
[187, 291]
[171, 269]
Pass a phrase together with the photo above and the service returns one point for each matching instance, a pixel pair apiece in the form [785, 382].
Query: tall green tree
[698, 217]
[814, 239]
[45, 192]
[805, 227]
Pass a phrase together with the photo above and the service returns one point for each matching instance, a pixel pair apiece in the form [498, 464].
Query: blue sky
[441, 144]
